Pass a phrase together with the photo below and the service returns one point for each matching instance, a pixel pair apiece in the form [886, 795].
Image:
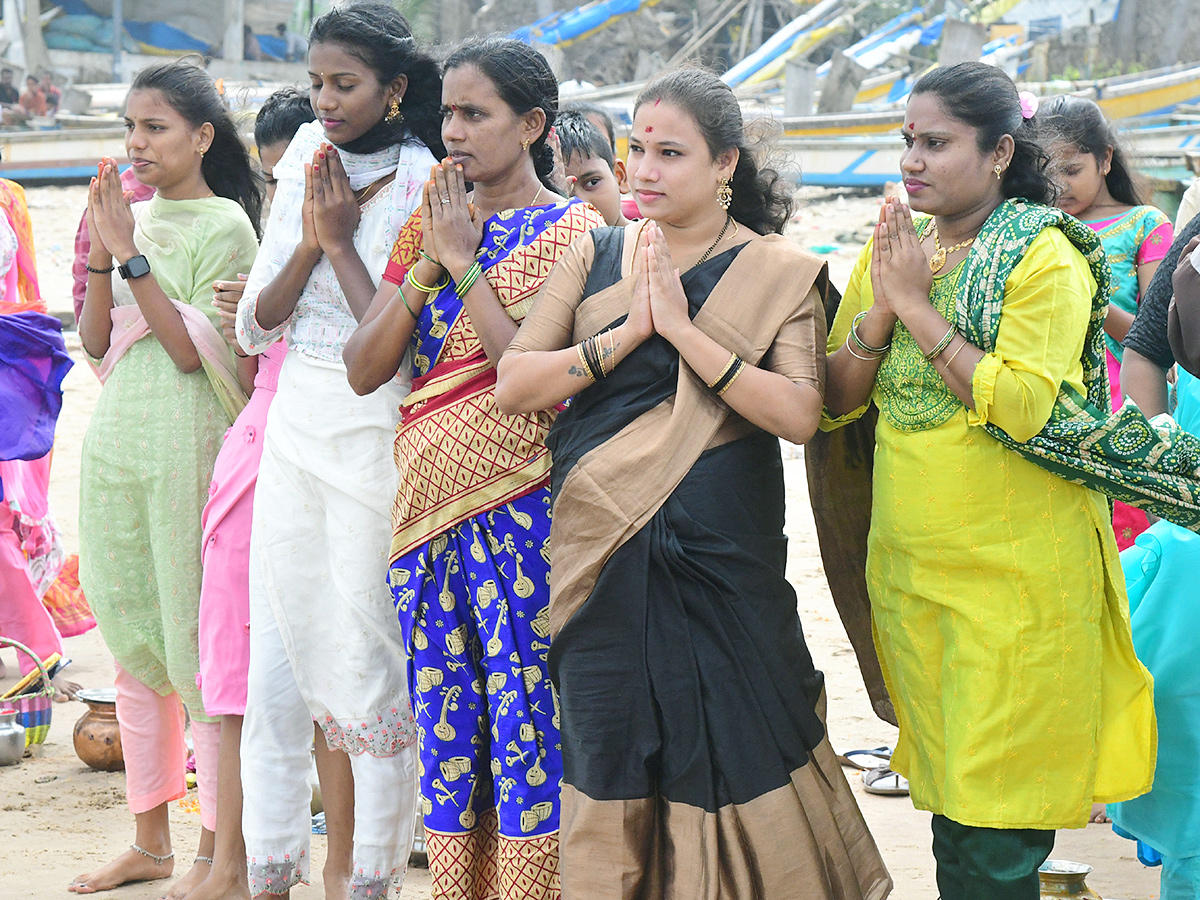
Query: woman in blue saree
[471, 522]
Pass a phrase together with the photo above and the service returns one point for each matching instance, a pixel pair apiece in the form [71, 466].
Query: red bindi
[912, 125]
[649, 128]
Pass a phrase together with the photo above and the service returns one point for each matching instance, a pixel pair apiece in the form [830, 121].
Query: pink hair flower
[1029, 104]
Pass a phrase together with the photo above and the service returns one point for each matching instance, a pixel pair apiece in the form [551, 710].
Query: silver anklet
[205, 859]
[158, 860]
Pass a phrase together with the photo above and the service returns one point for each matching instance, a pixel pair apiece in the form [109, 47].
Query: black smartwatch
[134, 267]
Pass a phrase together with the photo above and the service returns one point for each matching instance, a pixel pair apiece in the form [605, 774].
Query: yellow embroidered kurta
[998, 603]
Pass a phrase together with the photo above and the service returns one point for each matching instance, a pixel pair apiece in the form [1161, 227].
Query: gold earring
[203, 150]
[724, 194]
[394, 114]
[524, 146]
[999, 170]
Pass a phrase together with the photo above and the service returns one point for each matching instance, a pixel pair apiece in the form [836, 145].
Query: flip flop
[866, 759]
[884, 781]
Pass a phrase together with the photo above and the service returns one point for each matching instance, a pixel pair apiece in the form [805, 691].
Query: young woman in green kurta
[171, 390]
[998, 605]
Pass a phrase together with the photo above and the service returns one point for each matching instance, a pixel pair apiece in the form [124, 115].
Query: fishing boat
[1154, 93]
[874, 160]
[59, 155]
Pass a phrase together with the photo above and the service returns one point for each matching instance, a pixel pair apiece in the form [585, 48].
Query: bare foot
[196, 876]
[1099, 814]
[227, 884]
[129, 866]
[64, 690]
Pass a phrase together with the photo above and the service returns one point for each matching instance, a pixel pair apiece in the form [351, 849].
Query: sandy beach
[59, 819]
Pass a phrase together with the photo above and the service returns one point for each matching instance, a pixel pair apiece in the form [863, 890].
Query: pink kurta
[224, 592]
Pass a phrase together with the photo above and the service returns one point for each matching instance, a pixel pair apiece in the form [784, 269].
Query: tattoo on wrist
[576, 372]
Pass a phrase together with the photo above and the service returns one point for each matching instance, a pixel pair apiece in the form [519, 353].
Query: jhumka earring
[724, 194]
[394, 114]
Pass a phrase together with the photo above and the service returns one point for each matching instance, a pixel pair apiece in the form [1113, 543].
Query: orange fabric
[68, 607]
[29, 295]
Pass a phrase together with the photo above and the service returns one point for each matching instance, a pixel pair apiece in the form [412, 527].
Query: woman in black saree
[695, 756]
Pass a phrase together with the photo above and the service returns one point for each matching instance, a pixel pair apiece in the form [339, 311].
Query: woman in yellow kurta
[998, 604]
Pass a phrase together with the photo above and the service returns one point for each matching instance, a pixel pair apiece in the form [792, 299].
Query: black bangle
[593, 357]
[721, 385]
[107, 271]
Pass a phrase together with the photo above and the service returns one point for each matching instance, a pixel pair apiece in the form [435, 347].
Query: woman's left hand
[903, 269]
[668, 303]
[112, 214]
[335, 208]
[457, 226]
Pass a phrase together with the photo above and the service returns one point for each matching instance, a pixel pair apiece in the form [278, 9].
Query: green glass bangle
[468, 279]
[941, 345]
[863, 346]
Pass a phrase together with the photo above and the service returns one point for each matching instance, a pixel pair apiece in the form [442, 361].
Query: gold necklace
[713, 245]
[938, 260]
[365, 193]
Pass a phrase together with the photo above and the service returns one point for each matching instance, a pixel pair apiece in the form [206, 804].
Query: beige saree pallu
[695, 757]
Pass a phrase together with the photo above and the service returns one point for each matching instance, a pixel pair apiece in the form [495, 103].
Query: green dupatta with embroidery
[1154, 466]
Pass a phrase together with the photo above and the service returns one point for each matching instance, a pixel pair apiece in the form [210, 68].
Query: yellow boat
[1123, 97]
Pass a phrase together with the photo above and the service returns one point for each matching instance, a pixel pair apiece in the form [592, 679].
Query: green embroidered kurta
[148, 457]
[997, 598]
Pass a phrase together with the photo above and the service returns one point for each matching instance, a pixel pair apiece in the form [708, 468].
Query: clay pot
[1060, 878]
[97, 734]
[12, 738]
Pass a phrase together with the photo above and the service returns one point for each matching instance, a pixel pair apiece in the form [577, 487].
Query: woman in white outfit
[323, 638]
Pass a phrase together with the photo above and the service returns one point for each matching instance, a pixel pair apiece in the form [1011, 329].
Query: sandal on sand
[866, 759]
[884, 781]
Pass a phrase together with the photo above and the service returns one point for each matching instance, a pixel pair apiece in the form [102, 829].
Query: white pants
[324, 640]
[276, 756]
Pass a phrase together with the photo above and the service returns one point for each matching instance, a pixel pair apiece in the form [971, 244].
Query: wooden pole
[118, 32]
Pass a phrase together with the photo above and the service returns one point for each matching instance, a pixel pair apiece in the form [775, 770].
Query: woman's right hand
[226, 295]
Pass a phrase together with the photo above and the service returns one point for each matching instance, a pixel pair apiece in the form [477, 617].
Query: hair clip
[1029, 104]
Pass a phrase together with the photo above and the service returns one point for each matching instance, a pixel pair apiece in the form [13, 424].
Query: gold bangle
[733, 358]
[954, 354]
[424, 289]
[587, 370]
